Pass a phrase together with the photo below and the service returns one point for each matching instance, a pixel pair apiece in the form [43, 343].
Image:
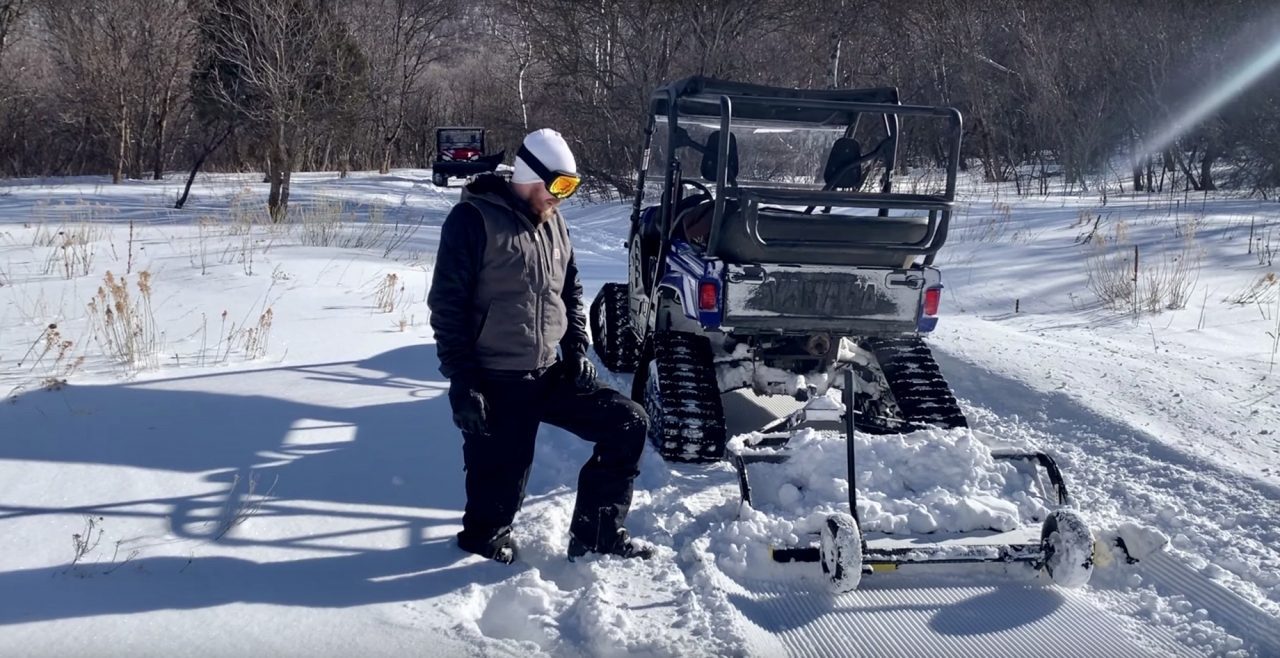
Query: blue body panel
[686, 271]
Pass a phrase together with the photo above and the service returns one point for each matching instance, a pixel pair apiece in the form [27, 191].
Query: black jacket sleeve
[575, 339]
[453, 285]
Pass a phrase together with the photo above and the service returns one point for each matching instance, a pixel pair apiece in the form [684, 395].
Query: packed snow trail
[923, 610]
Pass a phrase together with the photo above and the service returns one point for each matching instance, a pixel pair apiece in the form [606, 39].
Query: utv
[768, 250]
[460, 154]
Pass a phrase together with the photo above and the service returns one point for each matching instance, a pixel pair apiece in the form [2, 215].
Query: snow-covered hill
[253, 454]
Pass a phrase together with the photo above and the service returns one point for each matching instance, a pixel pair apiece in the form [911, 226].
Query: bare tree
[507, 24]
[279, 65]
[93, 42]
[11, 12]
[164, 56]
[605, 65]
[94, 85]
[400, 38]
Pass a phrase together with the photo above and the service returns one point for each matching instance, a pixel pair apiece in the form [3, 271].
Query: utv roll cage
[743, 213]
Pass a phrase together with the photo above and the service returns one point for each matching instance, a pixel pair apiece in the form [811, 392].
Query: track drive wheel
[439, 180]
[611, 334]
[682, 398]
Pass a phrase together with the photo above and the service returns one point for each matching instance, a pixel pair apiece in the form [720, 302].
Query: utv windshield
[776, 154]
[450, 138]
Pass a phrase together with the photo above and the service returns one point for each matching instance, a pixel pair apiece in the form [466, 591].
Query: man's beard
[546, 211]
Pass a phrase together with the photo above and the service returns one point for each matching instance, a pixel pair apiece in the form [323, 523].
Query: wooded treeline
[138, 88]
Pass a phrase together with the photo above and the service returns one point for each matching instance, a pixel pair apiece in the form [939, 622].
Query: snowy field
[225, 437]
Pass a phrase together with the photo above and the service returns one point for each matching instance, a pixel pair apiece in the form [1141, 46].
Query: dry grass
[204, 227]
[331, 223]
[1261, 291]
[50, 360]
[1110, 276]
[124, 326]
[239, 509]
[389, 293]
[1152, 284]
[1274, 334]
[254, 339]
[1168, 284]
[991, 227]
[246, 210]
[320, 224]
[1265, 248]
[71, 249]
[85, 543]
[402, 325]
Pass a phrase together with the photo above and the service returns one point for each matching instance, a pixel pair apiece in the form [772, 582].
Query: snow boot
[499, 549]
[623, 545]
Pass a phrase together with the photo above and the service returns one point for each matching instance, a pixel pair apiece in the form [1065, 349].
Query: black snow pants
[497, 462]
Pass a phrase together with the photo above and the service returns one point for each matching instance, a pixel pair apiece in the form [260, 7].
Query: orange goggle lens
[563, 186]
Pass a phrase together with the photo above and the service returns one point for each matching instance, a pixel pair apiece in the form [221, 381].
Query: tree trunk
[204, 154]
[273, 194]
[524, 104]
[139, 145]
[138, 139]
[1184, 165]
[1206, 169]
[275, 175]
[122, 139]
[1137, 164]
[282, 166]
[157, 149]
[285, 176]
[988, 157]
[384, 167]
[833, 69]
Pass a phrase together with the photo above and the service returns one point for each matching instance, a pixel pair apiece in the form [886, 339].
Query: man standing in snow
[505, 293]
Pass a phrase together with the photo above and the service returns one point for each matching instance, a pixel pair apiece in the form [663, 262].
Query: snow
[926, 481]
[291, 485]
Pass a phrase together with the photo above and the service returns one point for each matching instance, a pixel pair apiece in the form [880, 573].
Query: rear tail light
[932, 297]
[708, 296]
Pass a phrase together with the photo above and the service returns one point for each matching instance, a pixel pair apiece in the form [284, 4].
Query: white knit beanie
[548, 147]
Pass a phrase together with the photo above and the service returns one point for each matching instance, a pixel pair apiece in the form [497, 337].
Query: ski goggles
[561, 184]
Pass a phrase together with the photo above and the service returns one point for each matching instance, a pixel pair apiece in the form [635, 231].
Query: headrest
[710, 158]
[843, 169]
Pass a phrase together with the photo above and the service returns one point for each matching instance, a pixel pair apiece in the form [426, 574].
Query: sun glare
[1215, 98]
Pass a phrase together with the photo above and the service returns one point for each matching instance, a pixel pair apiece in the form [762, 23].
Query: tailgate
[822, 297]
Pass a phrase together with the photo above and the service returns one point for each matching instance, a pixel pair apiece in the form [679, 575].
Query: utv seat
[841, 239]
[833, 239]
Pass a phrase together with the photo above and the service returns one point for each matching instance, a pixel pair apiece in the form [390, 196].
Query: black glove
[582, 371]
[470, 411]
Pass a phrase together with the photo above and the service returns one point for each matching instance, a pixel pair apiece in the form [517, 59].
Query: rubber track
[923, 396]
[617, 348]
[686, 423]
